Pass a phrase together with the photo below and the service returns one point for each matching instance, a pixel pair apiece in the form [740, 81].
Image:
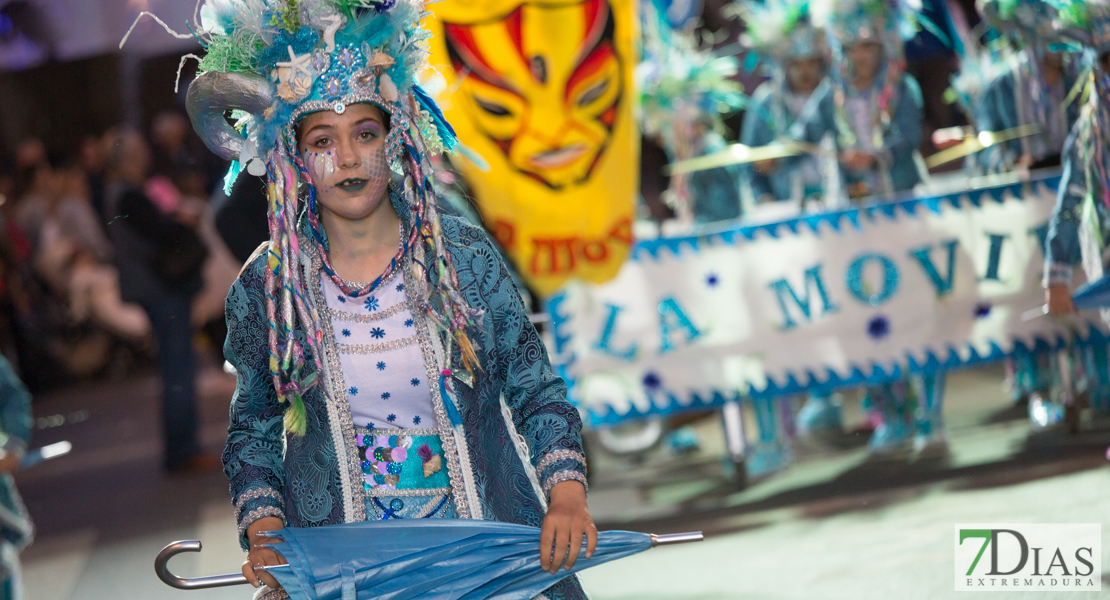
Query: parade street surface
[836, 524]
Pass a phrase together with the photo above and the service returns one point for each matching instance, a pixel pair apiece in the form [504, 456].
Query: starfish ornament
[297, 64]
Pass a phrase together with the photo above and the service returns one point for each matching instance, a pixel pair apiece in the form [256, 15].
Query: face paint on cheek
[321, 166]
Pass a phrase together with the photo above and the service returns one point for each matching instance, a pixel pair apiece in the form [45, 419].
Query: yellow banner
[543, 92]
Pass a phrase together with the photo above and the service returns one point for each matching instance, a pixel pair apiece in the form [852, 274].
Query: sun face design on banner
[542, 92]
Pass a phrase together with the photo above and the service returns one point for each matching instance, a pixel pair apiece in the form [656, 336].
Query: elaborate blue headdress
[781, 31]
[271, 62]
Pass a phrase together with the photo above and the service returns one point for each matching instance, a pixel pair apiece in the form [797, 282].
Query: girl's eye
[367, 135]
[321, 142]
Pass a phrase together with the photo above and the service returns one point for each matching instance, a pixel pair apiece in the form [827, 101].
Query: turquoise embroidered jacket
[519, 434]
[15, 435]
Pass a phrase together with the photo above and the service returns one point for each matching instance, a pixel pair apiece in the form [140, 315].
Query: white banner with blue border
[822, 301]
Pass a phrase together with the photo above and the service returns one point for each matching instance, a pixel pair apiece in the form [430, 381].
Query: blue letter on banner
[943, 286]
[602, 344]
[995, 255]
[855, 279]
[813, 279]
[669, 310]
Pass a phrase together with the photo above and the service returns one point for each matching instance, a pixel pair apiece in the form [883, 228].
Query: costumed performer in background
[875, 111]
[1032, 89]
[1080, 225]
[795, 54]
[685, 91]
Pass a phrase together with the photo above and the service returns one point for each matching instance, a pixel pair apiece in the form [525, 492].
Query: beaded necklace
[349, 288]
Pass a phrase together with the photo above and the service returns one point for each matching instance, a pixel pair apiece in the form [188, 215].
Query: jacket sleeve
[904, 135]
[756, 131]
[535, 396]
[255, 437]
[987, 118]
[15, 411]
[1062, 249]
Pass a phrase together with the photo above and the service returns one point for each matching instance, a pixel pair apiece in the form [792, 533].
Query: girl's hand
[1058, 298]
[567, 520]
[258, 556]
[9, 462]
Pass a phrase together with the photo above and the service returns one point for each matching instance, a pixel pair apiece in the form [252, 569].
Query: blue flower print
[342, 299]
[381, 365]
[408, 322]
[370, 426]
[416, 420]
[391, 418]
[414, 381]
[371, 304]
[400, 287]
[385, 395]
[353, 391]
[377, 333]
[346, 333]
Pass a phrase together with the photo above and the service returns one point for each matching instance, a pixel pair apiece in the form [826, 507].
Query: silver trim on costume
[450, 444]
[256, 494]
[374, 348]
[350, 317]
[523, 453]
[561, 476]
[339, 410]
[377, 492]
[562, 454]
[258, 513]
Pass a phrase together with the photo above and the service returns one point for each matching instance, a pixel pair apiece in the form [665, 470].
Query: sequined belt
[403, 462]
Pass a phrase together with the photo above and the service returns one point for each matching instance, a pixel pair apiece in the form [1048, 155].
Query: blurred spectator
[180, 156]
[241, 219]
[160, 257]
[30, 152]
[91, 158]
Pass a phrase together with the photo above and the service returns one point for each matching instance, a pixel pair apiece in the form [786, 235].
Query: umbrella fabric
[442, 559]
[1093, 295]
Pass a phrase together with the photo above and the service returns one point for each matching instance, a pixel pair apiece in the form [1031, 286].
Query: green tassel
[295, 419]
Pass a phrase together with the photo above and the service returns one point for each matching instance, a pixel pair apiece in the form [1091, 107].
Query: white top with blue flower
[383, 367]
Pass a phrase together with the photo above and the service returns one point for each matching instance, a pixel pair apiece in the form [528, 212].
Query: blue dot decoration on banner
[878, 327]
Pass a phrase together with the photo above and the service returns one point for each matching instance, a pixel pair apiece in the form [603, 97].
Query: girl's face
[867, 58]
[346, 161]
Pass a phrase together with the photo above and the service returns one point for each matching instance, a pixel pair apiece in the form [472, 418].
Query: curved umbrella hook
[161, 567]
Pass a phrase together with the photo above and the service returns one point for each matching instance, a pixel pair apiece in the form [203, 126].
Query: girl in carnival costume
[1031, 86]
[1080, 225]
[795, 54]
[386, 365]
[875, 111]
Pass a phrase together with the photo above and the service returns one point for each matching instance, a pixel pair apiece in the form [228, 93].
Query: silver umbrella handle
[161, 567]
[676, 538]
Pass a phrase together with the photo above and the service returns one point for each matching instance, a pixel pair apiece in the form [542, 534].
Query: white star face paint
[321, 166]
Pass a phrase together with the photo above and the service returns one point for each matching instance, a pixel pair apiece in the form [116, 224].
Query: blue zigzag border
[810, 381]
[836, 220]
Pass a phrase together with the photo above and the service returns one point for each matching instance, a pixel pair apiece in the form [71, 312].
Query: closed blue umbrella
[443, 559]
[1093, 295]
[448, 559]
